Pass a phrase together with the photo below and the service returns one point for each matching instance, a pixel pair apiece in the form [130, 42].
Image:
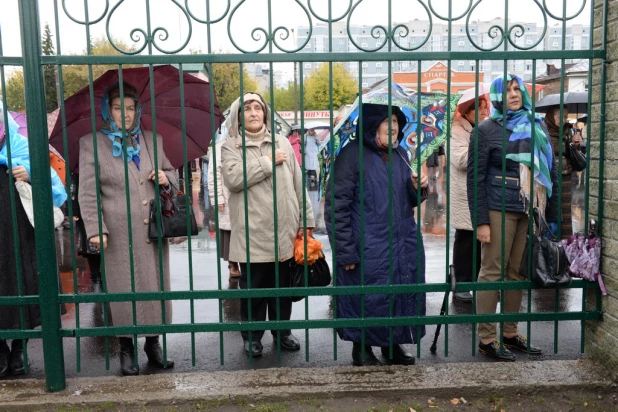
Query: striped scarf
[520, 142]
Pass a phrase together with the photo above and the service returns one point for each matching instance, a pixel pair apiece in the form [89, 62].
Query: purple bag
[584, 253]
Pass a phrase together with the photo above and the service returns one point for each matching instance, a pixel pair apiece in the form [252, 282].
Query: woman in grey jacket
[249, 170]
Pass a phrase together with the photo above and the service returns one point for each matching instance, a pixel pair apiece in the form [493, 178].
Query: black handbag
[173, 216]
[575, 156]
[82, 243]
[318, 275]
[550, 266]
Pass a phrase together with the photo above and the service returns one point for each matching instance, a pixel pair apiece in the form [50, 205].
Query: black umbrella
[576, 102]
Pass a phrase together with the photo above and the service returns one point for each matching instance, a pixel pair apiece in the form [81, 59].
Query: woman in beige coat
[139, 157]
[259, 258]
[463, 124]
[222, 194]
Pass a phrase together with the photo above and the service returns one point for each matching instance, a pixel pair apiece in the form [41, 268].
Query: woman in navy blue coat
[346, 242]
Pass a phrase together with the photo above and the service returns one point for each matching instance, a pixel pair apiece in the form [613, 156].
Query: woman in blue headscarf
[118, 237]
[12, 359]
[526, 141]
[352, 206]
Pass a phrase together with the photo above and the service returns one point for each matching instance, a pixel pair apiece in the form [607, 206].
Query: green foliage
[283, 96]
[49, 72]
[74, 77]
[15, 95]
[226, 83]
[317, 85]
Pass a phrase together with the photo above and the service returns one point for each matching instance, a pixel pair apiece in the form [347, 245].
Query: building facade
[577, 37]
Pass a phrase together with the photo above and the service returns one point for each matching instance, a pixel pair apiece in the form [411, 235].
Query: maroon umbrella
[166, 79]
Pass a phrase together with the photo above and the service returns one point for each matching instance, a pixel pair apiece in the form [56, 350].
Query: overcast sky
[253, 13]
[130, 15]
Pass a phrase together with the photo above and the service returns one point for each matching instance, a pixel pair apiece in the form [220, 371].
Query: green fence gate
[328, 35]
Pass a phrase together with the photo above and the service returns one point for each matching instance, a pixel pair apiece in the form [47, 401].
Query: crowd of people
[369, 207]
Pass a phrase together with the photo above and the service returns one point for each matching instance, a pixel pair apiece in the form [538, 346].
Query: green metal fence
[269, 44]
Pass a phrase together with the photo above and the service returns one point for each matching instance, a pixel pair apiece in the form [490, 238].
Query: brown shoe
[234, 270]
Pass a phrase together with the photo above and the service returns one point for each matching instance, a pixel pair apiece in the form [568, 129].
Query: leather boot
[357, 356]
[154, 351]
[16, 358]
[127, 357]
[4, 358]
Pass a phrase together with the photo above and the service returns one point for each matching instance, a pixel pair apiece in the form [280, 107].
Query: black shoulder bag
[175, 206]
[550, 266]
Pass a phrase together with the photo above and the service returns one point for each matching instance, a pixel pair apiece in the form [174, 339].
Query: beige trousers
[516, 229]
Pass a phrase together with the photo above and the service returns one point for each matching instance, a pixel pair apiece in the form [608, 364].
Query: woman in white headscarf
[248, 153]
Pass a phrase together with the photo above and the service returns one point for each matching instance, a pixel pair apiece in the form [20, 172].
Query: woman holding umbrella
[570, 135]
[12, 358]
[346, 237]
[250, 154]
[486, 161]
[138, 154]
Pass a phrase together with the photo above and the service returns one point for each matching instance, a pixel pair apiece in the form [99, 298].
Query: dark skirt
[9, 315]
[224, 239]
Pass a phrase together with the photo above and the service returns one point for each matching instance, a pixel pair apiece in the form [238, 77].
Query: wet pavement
[324, 348]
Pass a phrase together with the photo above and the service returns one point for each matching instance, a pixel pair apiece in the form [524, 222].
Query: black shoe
[463, 296]
[4, 358]
[255, 349]
[154, 352]
[289, 342]
[521, 344]
[400, 355]
[127, 358]
[493, 351]
[357, 356]
[16, 358]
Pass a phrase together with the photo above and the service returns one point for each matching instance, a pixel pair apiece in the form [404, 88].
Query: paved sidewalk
[285, 384]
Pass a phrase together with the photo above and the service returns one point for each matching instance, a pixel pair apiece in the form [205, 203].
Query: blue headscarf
[520, 142]
[20, 156]
[111, 129]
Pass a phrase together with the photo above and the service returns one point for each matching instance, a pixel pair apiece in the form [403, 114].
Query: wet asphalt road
[323, 350]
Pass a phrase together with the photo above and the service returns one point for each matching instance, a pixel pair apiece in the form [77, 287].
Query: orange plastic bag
[314, 250]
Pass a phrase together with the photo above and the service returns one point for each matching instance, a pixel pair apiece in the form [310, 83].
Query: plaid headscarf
[519, 146]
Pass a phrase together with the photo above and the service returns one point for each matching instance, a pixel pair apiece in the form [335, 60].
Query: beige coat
[260, 199]
[460, 139]
[223, 193]
[114, 223]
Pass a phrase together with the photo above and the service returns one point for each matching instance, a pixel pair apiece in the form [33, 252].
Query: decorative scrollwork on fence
[148, 37]
[270, 37]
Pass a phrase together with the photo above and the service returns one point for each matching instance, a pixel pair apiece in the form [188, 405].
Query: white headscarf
[233, 122]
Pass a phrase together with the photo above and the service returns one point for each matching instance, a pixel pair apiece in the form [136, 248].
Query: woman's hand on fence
[221, 208]
[424, 180]
[349, 267]
[95, 242]
[280, 156]
[483, 234]
[162, 178]
[20, 174]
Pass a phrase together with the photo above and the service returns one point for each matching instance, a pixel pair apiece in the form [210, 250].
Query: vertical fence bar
[42, 196]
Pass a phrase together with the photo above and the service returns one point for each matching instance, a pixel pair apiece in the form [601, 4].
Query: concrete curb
[473, 379]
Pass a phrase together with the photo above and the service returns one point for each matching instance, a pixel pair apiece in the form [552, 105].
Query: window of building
[307, 65]
[365, 65]
[378, 70]
[341, 41]
[460, 63]
[379, 64]
[365, 70]
[461, 42]
[365, 84]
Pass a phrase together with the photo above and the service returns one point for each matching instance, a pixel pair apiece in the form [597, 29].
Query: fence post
[42, 195]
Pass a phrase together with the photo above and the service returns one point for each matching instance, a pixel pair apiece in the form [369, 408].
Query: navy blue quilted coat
[345, 241]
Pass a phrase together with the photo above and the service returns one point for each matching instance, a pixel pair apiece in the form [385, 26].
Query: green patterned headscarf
[520, 144]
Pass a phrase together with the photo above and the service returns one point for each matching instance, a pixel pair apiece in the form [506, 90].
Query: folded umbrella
[167, 106]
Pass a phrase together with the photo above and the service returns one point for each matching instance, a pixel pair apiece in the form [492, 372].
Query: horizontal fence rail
[178, 280]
